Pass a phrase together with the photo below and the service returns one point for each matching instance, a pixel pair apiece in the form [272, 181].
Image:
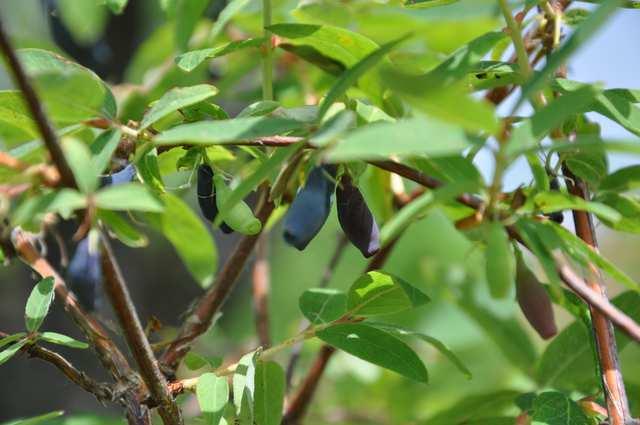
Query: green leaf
[244, 386]
[424, 4]
[38, 303]
[45, 418]
[226, 131]
[486, 75]
[6, 354]
[122, 229]
[15, 117]
[259, 109]
[554, 408]
[331, 129]
[125, 197]
[188, 235]
[618, 105]
[63, 202]
[350, 76]
[251, 182]
[269, 393]
[584, 32]
[405, 138]
[85, 20]
[70, 92]
[552, 201]
[116, 6]
[67, 341]
[506, 333]
[239, 217]
[188, 13]
[377, 347]
[11, 338]
[434, 342]
[80, 161]
[568, 361]
[175, 99]
[149, 171]
[213, 395]
[624, 179]
[377, 293]
[475, 406]
[231, 9]
[102, 149]
[590, 166]
[628, 207]
[331, 48]
[323, 305]
[191, 60]
[500, 261]
[532, 130]
[403, 218]
[583, 253]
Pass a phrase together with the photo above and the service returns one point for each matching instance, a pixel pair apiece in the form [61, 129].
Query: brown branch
[595, 299]
[302, 398]
[261, 284]
[46, 130]
[118, 293]
[102, 391]
[614, 388]
[201, 317]
[108, 353]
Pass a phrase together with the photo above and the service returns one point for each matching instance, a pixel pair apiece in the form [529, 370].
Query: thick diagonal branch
[118, 293]
[209, 304]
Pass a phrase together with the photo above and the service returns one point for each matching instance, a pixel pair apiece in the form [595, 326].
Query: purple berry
[207, 196]
[356, 218]
[534, 302]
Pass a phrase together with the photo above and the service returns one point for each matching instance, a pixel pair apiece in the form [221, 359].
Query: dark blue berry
[207, 196]
[84, 275]
[310, 208]
[356, 218]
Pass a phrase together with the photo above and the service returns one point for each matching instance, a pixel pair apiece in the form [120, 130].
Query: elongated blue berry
[356, 218]
[84, 275]
[534, 302]
[207, 196]
[310, 208]
[125, 175]
[556, 216]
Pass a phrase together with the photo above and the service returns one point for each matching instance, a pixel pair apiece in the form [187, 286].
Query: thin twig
[201, 317]
[102, 391]
[261, 283]
[118, 293]
[595, 299]
[46, 130]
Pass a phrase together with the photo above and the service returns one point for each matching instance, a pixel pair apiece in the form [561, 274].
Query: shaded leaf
[38, 303]
[175, 99]
[213, 395]
[59, 339]
[323, 305]
[189, 236]
[377, 347]
[191, 60]
[226, 131]
[128, 196]
[269, 393]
